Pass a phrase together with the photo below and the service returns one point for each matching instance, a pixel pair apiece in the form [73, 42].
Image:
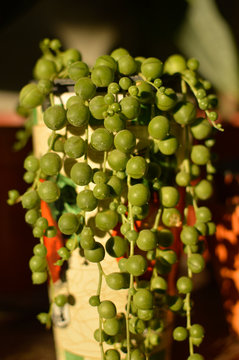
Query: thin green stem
[127, 315]
[52, 101]
[217, 126]
[194, 91]
[130, 214]
[63, 74]
[124, 218]
[131, 286]
[130, 217]
[51, 294]
[189, 253]
[194, 201]
[147, 344]
[191, 351]
[105, 161]
[188, 305]
[101, 273]
[187, 169]
[187, 301]
[183, 87]
[147, 81]
[52, 141]
[38, 173]
[87, 143]
[187, 145]
[155, 272]
[36, 180]
[186, 166]
[101, 339]
[128, 181]
[157, 219]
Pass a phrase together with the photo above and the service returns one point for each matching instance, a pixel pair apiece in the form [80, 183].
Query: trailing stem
[131, 221]
[101, 273]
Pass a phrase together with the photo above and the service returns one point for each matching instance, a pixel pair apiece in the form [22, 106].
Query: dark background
[147, 29]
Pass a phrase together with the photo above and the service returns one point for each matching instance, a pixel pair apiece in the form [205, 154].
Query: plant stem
[147, 81]
[101, 340]
[36, 180]
[131, 286]
[127, 314]
[124, 219]
[188, 307]
[105, 160]
[101, 273]
[52, 141]
[38, 173]
[86, 141]
[157, 219]
[194, 201]
[187, 145]
[52, 101]
[194, 91]
[183, 87]
[186, 165]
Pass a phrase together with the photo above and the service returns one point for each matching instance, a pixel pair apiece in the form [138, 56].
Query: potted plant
[121, 161]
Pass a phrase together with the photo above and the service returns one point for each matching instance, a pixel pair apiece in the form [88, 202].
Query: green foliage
[116, 101]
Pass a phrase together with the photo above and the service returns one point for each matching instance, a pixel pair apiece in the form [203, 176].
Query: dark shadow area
[23, 337]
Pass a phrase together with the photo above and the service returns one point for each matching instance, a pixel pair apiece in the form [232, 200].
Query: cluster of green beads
[114, 97]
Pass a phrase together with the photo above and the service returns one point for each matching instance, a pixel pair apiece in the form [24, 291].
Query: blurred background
[205, 29]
